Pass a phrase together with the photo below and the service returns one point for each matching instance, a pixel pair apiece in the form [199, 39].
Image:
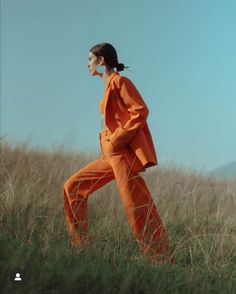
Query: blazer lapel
[108, 81]
[107, 93]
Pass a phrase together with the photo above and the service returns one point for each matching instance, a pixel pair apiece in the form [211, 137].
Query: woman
[126, 149]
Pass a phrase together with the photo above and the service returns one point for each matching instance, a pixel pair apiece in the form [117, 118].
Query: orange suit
[126, 149]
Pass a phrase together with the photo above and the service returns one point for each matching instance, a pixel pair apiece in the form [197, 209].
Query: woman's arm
[137, 109]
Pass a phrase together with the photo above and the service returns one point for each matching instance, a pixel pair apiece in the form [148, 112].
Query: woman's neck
[106, 74]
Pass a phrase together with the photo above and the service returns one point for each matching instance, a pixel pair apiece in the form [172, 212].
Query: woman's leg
[76, 192]
[140, 209]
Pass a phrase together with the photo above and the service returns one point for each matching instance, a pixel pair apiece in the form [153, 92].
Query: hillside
[199, 213]
[227, 171]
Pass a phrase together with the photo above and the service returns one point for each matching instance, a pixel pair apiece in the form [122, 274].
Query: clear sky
[182, 57]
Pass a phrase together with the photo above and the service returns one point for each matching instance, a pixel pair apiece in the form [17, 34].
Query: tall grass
[198, 211]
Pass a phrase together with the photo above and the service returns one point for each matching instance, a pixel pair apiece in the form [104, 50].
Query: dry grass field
[198, 211]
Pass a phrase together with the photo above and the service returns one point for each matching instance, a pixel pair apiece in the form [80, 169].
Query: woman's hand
[109, 148]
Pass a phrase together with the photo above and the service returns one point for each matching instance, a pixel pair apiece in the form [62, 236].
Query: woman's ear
[101, 60]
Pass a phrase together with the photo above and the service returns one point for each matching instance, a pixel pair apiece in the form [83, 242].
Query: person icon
[17, 277]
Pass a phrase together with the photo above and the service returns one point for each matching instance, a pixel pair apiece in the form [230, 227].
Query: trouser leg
[140, 209]
[76, 192]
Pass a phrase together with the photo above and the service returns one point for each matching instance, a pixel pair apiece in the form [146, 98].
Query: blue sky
[182, 57]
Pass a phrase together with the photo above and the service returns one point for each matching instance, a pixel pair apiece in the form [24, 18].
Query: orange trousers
[140, 209]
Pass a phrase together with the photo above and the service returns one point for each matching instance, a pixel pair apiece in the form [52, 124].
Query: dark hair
[109, 53]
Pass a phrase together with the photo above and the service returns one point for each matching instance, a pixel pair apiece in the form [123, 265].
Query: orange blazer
[125, 115]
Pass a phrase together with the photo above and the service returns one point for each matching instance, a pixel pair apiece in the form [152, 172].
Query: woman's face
[93, 61]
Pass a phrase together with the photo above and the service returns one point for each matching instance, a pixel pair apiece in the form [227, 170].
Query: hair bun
[120, 66]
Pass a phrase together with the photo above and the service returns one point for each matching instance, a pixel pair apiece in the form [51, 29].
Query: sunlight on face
[92, 63]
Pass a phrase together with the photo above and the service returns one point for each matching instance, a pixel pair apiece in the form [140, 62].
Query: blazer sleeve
[138, 113]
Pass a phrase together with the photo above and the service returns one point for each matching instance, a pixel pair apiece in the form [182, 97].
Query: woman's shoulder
[120, 79]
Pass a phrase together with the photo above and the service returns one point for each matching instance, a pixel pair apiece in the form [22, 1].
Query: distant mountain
[227, 171]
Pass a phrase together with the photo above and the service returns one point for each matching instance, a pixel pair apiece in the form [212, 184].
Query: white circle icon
[17, 278]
